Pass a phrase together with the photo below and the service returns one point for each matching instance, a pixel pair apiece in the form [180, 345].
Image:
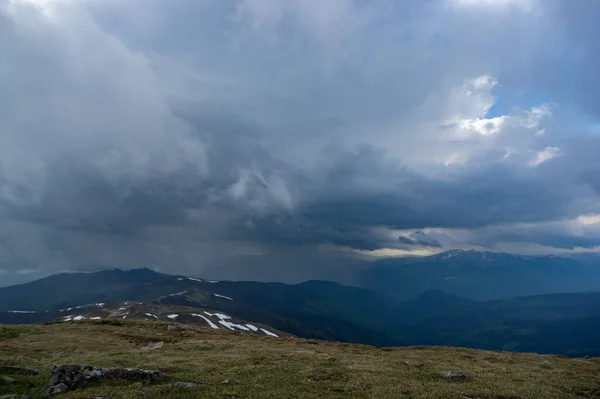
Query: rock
[183, 385]
[454, 375]
[156, 345]
[55, 389]
[225, 382]
[171, 327]
[69, 376]
[8, 397]
[18, 370]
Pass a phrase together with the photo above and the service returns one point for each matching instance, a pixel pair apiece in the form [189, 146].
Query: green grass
[231, 365]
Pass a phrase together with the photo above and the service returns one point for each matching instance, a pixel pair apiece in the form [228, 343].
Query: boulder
[67, 377]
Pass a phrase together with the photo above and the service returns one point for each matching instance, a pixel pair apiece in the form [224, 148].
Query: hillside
[564, 324]
[226, 364]
[318, 310]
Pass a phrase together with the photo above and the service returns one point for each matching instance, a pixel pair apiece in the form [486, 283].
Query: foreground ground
[230, 365]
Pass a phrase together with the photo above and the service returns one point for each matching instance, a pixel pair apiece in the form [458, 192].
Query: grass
[232, 365]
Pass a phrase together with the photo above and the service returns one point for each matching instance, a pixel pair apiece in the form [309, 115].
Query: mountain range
[459, 298]
[482, 275]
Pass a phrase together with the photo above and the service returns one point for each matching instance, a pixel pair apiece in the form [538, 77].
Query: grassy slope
[263, 367]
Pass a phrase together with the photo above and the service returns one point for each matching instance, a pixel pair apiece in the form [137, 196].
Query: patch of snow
[269, 333]
[101, 304]
[212, 281]
[95, 318]
[122, 308]
[151, 315]
[221, 316]
[175, 294]
[125, 316]
[195, 279]
[223, 296]
[78, 318]
[210, 323]
[68, 318]
[179, 279]
[21, 311]
[172, 316]
[253, 328]
[233, 326]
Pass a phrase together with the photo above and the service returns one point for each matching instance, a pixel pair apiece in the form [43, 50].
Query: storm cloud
[191, 136]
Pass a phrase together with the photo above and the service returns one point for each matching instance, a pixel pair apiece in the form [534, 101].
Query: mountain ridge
[331, 311]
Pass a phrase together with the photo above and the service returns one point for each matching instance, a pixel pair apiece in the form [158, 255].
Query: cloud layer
[190, 135]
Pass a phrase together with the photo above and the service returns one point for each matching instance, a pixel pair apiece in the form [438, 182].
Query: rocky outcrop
[67, 377]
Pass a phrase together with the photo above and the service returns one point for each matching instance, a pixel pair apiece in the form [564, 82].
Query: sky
[285, 140]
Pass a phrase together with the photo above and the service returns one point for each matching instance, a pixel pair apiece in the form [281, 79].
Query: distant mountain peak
[472, 254]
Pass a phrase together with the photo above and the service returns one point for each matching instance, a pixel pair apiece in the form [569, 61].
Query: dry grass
[230, 365]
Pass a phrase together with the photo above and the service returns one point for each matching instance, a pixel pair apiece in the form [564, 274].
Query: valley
[550, 323]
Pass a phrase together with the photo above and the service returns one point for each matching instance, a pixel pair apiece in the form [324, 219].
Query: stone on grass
[156, 345]
[454, 375]
[56, 389]
[67, 377]
[183, 385]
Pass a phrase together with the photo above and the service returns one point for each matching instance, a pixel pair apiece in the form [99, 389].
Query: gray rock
[183, 385]
[156, 345]
[454, 375]
[69, 376]
[9, 396]
[18, 370]
[56, 389]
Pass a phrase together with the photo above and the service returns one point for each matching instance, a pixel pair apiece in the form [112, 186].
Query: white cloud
[524, 4]
[545, 155]
[482, 126]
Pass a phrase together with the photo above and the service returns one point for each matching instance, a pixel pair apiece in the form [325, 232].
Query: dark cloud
[202, 134]
[424, 240]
